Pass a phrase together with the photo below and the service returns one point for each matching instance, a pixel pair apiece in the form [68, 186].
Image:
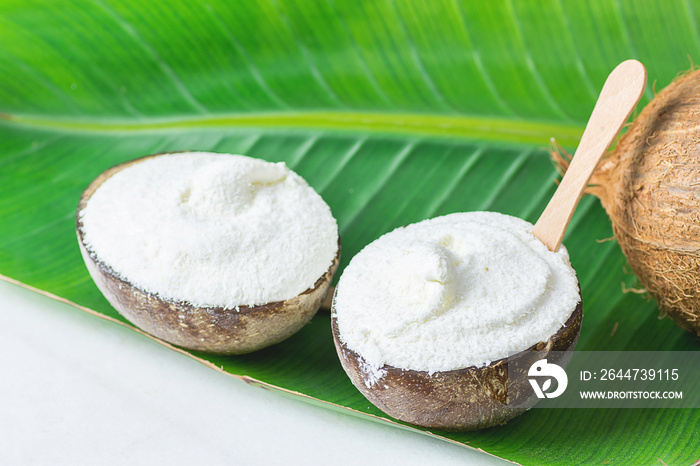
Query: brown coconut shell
[464, 399]
[210, 329]
[650, 187]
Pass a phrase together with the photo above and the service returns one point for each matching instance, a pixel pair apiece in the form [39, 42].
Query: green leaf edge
[251, 380]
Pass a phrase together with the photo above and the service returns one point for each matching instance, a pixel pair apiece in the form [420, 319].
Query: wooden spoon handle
[621, 92]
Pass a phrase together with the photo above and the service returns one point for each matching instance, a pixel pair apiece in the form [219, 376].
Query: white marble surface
[76, 389]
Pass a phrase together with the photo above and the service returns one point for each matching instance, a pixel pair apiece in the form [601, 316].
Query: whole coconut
[650, 187]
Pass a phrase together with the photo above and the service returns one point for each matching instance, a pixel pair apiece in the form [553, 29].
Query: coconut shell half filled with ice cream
[212, 252]
[437, 323]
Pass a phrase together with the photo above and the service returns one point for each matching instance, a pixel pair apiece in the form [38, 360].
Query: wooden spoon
[621, 92]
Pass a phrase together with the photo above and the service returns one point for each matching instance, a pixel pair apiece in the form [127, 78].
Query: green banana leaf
[395, 111]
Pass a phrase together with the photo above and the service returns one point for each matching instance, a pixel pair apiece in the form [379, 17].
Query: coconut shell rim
[575, 319]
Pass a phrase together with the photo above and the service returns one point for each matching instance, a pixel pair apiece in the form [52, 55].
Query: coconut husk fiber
[650, 187]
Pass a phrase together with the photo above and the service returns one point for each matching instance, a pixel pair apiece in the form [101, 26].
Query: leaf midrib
[502, 130]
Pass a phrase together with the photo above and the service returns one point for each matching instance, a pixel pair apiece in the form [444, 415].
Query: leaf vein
[361, 59]
[344, 161]
[415, 56]
[303, 151]
[577, 55]
[398, 159]
[249, 63]
[165, 68]
[47, 83]
[536, 199]
[693, 22]
[506, 178]
[529, 62]
[315, 72]
[416, 192]
[455, 181]
[481, 68]
[30, 150]
[628, 37]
